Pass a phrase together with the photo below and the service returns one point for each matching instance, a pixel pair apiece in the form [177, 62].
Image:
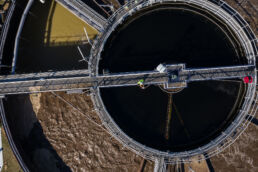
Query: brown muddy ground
[82, 145]
[241, 156]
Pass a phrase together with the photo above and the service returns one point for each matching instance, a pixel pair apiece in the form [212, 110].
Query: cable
[90, 119]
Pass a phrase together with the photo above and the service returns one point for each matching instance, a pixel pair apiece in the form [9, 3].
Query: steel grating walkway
[81, 79]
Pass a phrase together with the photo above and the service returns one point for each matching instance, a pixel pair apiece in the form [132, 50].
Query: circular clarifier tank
[172, 34]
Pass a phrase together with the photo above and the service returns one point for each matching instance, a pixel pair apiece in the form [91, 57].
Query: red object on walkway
[248, 79]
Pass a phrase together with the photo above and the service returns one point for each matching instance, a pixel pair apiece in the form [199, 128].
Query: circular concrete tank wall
[171, 35]
[200, 115]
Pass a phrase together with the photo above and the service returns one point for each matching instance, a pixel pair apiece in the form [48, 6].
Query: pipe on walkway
[24, 15]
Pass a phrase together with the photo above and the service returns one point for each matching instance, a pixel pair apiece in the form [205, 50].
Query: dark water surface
[202, 110]
[167, 36]
[34, 55]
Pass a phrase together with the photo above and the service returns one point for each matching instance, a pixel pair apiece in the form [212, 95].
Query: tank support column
[142, 165]
[182, 167]
[209, 164]
[160, 165]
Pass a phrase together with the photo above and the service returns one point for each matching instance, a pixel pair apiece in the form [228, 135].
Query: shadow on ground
[35, 149]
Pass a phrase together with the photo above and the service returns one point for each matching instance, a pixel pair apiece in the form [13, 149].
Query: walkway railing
[81, 79]
[86, 13]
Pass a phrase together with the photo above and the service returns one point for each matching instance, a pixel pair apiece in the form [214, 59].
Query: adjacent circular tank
[203, 118]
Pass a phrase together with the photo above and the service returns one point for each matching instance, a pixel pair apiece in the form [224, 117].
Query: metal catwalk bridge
[81, 79]
[86, 13]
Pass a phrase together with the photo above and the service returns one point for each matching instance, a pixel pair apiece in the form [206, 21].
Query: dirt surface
[81, 144]
[241, 156]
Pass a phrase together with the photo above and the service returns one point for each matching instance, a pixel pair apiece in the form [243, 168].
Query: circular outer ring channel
[244, 34]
